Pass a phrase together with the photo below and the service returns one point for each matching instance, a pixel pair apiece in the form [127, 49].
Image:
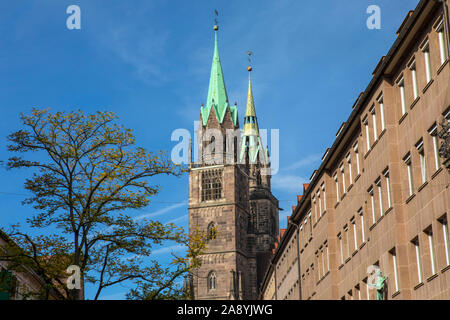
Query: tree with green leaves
[87, 176]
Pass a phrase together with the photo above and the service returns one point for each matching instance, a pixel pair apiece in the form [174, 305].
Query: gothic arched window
[212, 281]
[212, 231]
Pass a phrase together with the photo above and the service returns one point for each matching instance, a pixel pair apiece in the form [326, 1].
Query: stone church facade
[230, 197]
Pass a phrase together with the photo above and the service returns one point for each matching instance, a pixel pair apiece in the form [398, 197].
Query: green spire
[217, 92]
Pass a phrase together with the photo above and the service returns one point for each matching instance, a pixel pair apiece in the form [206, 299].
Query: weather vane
[216, 25]
[249, 61]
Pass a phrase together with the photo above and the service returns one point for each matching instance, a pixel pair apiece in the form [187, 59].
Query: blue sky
[149, 62]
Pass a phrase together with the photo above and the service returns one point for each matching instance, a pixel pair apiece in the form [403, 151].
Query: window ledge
[367, 153]
[375, 143]
[354, 252]
[445, 269]
[402, 118]
[442, 66]
[388, 210]
[362, 245]
[347, 260]
[436, 173]
[341, 266]
[417, 286]
[413, 104]
[336, 205]
[428, 85]
[343, 196]
[382, 133]
[357, 177]
[434, 276]
[379, 219]
[422, 186]
[372, 226]
[350, 187]
[410, 198]
[395, 294]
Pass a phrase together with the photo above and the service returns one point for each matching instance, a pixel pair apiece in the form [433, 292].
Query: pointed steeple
[217, 92]
[250, 120]
[251, 140]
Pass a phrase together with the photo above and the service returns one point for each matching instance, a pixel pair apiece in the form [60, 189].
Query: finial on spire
[216, 23]
[249, 61]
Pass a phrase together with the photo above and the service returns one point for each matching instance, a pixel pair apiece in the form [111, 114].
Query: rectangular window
[324, 198]
[357, 292]
[349, 163]
[355, 148]
[328, 256]
[366, 126]
[388, 187]
[346, 242]
[440, 31]
[310, 222]
[395, 269]
[374, 123]
[341, 246]
[381, 103]
[315, 208]
[355, 235]
[423, 166]
[212, 185]
[343, 178]
[434, 136]
[429, 233]
[320, 203]
[380, 196]
[407, 161]
[415, 243]
[426, 54]
[444, 225]
[401, 85]
[412, 67]
[372, 204]
[337, 187]
[361, 219]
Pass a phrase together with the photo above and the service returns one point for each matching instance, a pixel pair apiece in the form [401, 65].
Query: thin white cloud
[183, 217]
[161, 211]
[174, 248]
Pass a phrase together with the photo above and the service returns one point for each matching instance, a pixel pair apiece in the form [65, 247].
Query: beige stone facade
[381, 198]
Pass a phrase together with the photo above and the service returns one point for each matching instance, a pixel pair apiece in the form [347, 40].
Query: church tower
[230, 197]
[263, 206]
[218, 199]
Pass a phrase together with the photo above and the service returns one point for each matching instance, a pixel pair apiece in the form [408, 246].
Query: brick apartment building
[380, 198]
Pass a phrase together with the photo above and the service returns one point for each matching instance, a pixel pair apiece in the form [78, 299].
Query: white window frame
[383, 120]
[380, 195]
[407, 161]
[337, 187]
[412, 68]
[401, 85]
[388, 187]
[394, 264]
[418, 262]
[422, 161]
[426, 54]
[361, 217]
[372, 204]
[366, 125]
[429, 234]
[433, 133]
[349, 163]
[374, 123]
[444, 223]
[355, 148]
[343, 178]
[441, 38]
